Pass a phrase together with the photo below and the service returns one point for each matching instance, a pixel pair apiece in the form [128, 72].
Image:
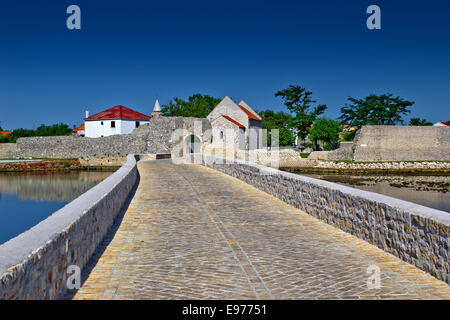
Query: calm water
[28, 198]
[429, 191]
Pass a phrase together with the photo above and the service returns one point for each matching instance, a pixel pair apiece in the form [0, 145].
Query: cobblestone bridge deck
[194, 233]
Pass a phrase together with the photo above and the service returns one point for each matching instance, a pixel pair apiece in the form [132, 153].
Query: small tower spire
[156, 110]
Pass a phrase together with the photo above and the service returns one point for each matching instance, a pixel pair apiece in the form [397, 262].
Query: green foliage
[348, 135]
[60, 129]
[198, 105]
[281, 121]
[419, 122]
[304, 155]
[299, 102]
[326, 131]
[286, 137]
[384, 109]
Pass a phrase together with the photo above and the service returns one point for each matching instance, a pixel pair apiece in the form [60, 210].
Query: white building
[441, 124]
[116, 120]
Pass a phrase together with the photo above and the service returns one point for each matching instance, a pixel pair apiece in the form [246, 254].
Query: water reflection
[429, 191]
[28, 198]
[51, 186]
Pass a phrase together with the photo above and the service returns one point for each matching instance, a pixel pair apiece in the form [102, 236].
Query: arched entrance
[193, 144]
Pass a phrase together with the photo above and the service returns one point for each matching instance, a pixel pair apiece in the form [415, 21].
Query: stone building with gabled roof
[235, 125]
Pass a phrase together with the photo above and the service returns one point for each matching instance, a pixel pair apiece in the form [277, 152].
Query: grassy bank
[51, 165]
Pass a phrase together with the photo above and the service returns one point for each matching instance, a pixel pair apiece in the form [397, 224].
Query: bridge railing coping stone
[33, 265]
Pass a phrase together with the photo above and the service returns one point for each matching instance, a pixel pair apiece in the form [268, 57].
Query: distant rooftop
[119, 112]
[441, 124]
[80, 128]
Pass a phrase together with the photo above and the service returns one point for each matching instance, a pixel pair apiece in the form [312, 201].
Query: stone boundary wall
[416, 234]
[34, 265]
[75, 147]
[7, 150]
[402, 143]
[344, 152]
[153, 138]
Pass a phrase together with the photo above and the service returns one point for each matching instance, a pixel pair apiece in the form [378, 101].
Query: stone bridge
[191, 232]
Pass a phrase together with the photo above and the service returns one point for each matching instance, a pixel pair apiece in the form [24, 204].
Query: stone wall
[7, 150]
[73, 147]
[35, 264]
[161, 136]
[344, 152]
[392, 143]
[155, 137]
[414, 233]
[402, 143]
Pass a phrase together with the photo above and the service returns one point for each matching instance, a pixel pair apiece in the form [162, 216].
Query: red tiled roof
[119, 112]
[446, 123]
[80, 128]
[249, 114]
[5, 133]
[235, 122]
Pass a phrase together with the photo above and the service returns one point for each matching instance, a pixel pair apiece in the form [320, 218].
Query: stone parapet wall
[35, 264]
[414, 233]
[7, 150]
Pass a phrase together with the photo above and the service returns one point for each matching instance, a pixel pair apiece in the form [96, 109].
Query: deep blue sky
[130, 52]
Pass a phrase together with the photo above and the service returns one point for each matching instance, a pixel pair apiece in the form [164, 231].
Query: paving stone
[194, 233]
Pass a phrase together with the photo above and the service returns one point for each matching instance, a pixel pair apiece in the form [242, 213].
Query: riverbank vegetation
[52, 165]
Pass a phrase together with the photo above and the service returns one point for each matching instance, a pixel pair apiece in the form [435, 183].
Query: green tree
[281, 121]
[348, 135]
[197, 105]
[374, 109]
[298, 101]
[60, 129]
[326, 131]
[419, 122]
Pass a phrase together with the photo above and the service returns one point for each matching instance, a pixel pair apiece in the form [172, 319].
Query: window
[113, 124]
[101, 123]
[137, 124]
[221, 134]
